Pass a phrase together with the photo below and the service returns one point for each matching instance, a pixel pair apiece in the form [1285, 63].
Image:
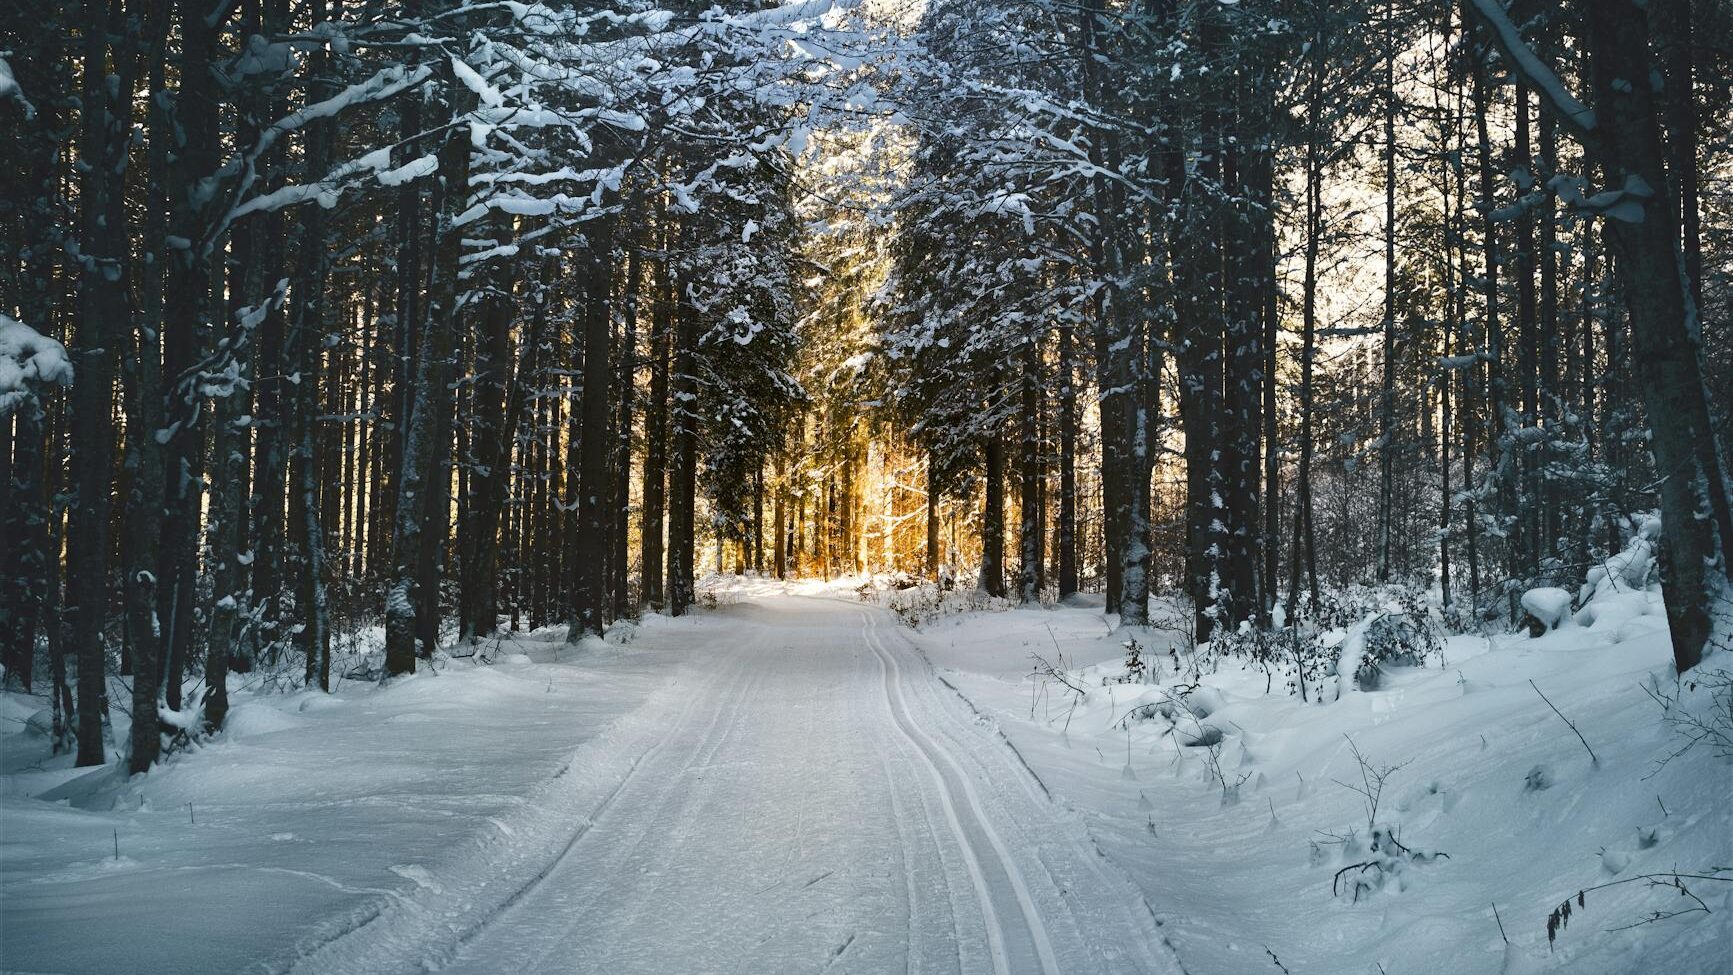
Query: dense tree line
[1360, 293]
[374, 311]
[449, 317]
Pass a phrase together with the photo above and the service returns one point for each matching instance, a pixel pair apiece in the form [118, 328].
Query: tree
[1625, 127]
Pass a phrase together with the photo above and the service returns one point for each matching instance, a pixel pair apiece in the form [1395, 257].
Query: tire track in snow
[1081, 838]
[957, 795]
[422, 930]
[707, 745]
[911, 799]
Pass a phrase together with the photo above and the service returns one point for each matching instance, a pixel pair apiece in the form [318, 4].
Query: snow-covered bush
[922, 602]
[28, 359]
[1400, 634]
[1547, 607]
[1626, 585]
[1136, 671]
[1355, 633]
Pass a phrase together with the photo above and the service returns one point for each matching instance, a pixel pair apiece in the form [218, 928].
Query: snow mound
[591, 644]
[1548, 604]
[1621, 597]
[252, 719]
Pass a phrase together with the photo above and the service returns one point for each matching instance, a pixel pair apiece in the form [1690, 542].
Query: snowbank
[310, 812]
[1242, 813]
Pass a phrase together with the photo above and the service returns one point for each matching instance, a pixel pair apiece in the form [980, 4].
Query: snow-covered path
[814, 800]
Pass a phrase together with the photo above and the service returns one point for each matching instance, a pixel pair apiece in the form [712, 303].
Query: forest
[448, 318]
[645, 486]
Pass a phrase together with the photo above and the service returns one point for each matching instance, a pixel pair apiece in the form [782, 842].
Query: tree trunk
[655, 472]
[494, 425]
[1697, 542]
[1211, 442]
[779, 488]
[1271, 544]
[683, 463]
[1492, 334]
[1304, 553]
[142, 517]
[412, 602]
[1673, 28]
[102, 313]
[933, 559]
[273, 395]
[1032, 533]
[756, 539]
[993, 519]
[595, 488]
[1067, 526]
[187, 312]
[620, 473]
[229, 615]
[1387, 396]
[1115, 370]
[1550, 504]
[24, 563]
[302, 358]
[1525, 554]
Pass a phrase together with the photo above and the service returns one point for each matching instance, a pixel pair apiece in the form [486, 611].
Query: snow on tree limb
[1576, 116]
[384, 84]
[28, 358]
[9, 89]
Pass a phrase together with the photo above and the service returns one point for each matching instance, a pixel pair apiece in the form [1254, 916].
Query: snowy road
[814, 799]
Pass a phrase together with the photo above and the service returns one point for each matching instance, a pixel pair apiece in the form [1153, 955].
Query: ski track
[812, 799]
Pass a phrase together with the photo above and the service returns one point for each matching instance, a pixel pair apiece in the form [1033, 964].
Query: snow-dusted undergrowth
[1375, 829]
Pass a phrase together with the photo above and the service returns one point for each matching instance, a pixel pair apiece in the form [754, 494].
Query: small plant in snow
[1045, 673]
[1387, 858]
[1212, 760]
[1136, 671]
[1693, 720]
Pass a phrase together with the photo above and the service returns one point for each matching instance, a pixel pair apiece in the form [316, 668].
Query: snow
[28, 357]
[472, 79]
[303, 806]
[9, 89]
[1531, 67]
[1233, 871]
[409, 171]
[1548, 604]
[790, 780]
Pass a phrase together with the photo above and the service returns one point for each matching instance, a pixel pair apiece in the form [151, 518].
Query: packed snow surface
[794, 781]
[780, 786]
